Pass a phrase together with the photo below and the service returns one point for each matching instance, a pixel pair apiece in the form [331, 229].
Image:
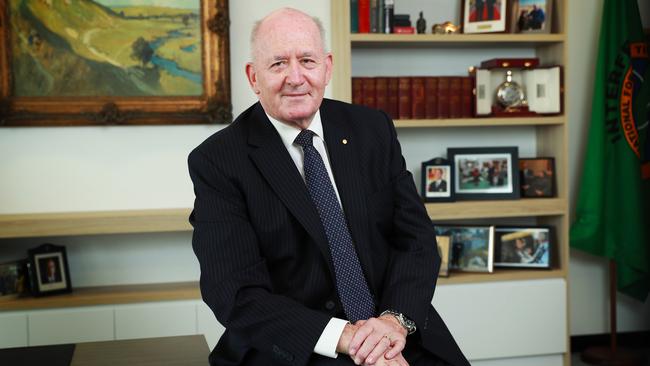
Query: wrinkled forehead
[288, 37]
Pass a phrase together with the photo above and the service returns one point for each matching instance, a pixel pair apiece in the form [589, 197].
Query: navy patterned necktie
[350, 282]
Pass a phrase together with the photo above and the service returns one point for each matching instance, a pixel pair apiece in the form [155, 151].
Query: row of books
[427, 97]
[377, 16]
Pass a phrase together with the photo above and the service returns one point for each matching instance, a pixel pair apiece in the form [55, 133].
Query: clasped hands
[376, 341]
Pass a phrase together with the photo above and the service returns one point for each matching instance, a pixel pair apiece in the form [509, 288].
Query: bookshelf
[550, 132]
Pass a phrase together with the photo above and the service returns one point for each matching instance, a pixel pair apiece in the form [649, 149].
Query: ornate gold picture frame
[114, 62]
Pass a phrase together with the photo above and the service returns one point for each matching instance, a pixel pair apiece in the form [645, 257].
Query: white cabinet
[208, 324]
[71, 325]
[13, 330]
[155, 320]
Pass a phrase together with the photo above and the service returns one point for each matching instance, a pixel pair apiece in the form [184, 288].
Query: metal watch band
[405, 322]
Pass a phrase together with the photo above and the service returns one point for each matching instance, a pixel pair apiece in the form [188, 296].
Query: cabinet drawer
[208, 325]
[13, 330]
[155, 320]
[72, 325]
[506, 319]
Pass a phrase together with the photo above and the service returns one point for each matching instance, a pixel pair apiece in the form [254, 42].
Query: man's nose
[294, 74]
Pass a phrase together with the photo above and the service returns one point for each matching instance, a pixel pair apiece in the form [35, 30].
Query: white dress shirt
[329, 339]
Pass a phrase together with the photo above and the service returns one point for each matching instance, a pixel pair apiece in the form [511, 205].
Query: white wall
[105, 168]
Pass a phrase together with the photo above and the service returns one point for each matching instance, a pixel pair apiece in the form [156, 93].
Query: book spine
[467, 97]
[373, 17]
[403, 30]
[404, 98]
[369, 93]
[364, 16]
[431, 97]
[443, 97]
[393, 97]
[381, 93]
[455, 92]
[357, 91]
[380, 16]
[354, 16]
[389, 15]
[417, 98]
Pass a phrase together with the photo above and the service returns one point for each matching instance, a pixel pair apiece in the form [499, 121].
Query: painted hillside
[84, 48]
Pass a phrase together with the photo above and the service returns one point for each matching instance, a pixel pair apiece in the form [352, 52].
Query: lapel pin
[344, 141]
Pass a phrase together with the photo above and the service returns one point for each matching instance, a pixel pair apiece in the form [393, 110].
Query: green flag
[613, 208]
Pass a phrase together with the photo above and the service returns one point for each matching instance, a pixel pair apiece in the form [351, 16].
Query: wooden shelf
[480, 122]
[369, 39]
[90, 223]
[496, 209]
[500, 275]
[105, 295]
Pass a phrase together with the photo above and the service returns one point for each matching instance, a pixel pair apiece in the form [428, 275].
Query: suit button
[330, 305]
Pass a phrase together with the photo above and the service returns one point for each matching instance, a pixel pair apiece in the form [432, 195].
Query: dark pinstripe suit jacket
[266, 270]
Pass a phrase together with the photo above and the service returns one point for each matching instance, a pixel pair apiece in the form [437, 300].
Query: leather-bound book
[393, 97]
[369, 93]
[443, 96]
[455, 90]
[467, 97]
[364, 16]
[357, 90]
[404, 98]
[431, 97]
[381, 93]
[417, 97]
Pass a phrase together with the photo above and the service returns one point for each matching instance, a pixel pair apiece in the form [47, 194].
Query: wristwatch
[407, 323]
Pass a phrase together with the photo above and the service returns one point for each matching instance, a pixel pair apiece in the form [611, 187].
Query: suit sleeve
[235, 282]
[414, 262]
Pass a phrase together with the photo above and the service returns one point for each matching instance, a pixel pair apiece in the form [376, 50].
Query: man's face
[290, 69]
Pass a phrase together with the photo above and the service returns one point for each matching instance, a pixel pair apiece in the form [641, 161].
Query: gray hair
[258, 23]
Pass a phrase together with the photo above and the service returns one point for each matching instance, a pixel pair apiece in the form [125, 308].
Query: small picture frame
[471, 247]
[437, 178]
[444, 252]
[537, 177]
[484, 16]
[531, 16]
[13, 278]
[523, 247]
[50, 272]
[485, 173]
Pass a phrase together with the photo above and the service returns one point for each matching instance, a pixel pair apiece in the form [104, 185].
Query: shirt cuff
[329, 339]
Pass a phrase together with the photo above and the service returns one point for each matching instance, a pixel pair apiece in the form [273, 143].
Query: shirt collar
[289, 133]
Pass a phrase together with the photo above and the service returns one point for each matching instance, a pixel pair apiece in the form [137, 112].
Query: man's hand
[377, 339]
[397, 361]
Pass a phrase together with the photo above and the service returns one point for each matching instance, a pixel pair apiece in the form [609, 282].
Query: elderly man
[310, 234]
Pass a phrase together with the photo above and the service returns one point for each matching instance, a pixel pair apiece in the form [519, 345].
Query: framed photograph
[523, 247]
[471, 247]
[485, 172]
[443, 251]
[537, 177]
[107, 62]
[13, 278]
[484, 16]
[50, 272]
[531, 16]
[437, 176]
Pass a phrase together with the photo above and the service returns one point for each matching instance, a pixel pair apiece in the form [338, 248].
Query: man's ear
[329, 63]
[252, 77]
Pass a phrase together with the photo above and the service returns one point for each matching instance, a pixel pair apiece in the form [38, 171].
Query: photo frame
[531, 16]
[472, 247]
[443, 243]
[437, 178]
[145, 65]
[49, 270]
[484, 16]
[523, 247]
[485, 172]
[13, 278]
[537, 177]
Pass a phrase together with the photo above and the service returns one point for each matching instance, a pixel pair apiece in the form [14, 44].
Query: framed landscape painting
[80, 62]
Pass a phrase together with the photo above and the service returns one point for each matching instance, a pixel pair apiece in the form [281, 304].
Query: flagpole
[612, 356]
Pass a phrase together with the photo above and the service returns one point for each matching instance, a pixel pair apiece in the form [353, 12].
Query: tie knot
[305, 138]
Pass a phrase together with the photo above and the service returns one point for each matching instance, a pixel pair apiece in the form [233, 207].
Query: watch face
[510, 94]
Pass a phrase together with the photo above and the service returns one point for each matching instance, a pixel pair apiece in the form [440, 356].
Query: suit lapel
[345, 167]
[274, 163]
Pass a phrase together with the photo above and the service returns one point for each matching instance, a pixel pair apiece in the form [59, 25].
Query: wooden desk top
[168, 351]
